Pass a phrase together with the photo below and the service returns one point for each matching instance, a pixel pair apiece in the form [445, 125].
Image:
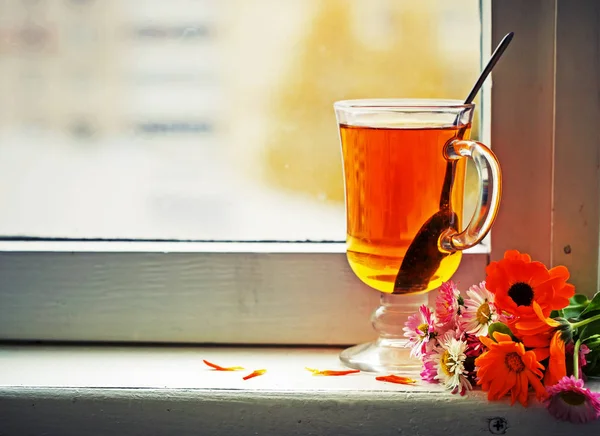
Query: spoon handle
[490, 65]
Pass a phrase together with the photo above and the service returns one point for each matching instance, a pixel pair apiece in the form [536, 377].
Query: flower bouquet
[521, 331]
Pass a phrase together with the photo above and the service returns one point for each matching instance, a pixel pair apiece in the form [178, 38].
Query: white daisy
[479, 311]
[450, 363]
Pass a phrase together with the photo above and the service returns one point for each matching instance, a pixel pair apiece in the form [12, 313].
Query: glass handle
[488, 203]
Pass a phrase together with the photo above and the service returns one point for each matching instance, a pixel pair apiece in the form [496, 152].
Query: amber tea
[405, 164]
[396, 179]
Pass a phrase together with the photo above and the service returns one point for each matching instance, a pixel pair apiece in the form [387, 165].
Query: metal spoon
[423, 257]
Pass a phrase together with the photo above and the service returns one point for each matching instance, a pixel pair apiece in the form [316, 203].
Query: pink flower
[583, 350]
[474, 346]
[479, 311]
[570, 401]
[429, 372]
[447, 306]
[419, 329]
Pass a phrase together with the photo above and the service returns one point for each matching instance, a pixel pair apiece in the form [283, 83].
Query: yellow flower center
[483, 313]
[446, 362]
[514, 363]
[424, 328]
[572, 398]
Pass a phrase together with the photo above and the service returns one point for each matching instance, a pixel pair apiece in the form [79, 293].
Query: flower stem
[576, 359]
[583, 322]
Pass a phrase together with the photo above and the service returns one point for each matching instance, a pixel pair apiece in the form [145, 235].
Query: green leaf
[593, 344]
[577, 305]
[589, 314]
[579, 299]
[590, 338]
[589, 331]
[502, 328]
[592, 306]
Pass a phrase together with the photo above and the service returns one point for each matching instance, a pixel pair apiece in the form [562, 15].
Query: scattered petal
[255, 374]
[329, 372]
[221, 368]
[396, 379]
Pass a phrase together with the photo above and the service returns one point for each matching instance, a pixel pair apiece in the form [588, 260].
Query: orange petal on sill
[255, 374]
[396, 379]
[221, 368]
[329, 372]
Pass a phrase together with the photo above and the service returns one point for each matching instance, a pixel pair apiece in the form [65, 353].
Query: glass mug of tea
[404, 177]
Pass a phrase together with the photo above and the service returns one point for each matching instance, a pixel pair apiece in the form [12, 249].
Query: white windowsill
[187, 247]
[180, 368]
[153, 390]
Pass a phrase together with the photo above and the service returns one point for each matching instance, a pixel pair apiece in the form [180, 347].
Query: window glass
[205, 119]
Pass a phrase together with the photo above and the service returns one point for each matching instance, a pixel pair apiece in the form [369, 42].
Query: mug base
[381, 356]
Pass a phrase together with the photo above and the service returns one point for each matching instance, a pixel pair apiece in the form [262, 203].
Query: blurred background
[205, 119]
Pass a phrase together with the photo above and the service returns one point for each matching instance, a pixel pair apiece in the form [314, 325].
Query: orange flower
[507, 367]
[535, 332]
[517, 283]
[557, 367]
[537, 341]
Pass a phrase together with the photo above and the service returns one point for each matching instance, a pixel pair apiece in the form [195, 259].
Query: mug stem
[388, 353]
[391, 315]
